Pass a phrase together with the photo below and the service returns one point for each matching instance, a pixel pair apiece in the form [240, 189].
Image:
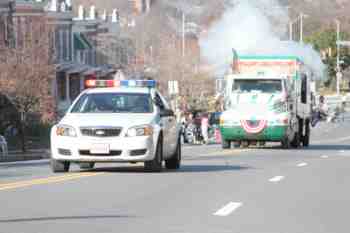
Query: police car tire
[225, 144]
[86, 165]
[175, 161]
[59, 166]
[155, 165]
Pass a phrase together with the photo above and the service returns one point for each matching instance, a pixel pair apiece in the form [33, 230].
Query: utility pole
[301, 27]
[338, 56]
[183, 34]
[300, 19]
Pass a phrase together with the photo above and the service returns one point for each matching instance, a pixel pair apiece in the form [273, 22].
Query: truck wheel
[286, 143]
[296, 140]
[262, 144]
[237, 144]
[59, 166]
[175, 161]
[306, 138]
[155, 165]
[225, 144]
[86, 165]
[245, 144]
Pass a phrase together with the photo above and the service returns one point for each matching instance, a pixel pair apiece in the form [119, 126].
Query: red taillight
[109, 83]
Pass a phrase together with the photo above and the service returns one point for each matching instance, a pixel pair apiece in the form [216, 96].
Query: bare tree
[27, 72]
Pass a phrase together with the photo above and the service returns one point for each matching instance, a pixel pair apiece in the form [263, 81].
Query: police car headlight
[65, 130]
[143, 130]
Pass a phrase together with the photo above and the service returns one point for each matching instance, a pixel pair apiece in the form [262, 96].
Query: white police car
[117, 121]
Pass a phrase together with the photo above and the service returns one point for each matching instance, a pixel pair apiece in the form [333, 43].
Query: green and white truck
[267, 99]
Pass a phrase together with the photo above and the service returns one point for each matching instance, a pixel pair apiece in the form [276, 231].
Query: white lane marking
[302, 164]
[324, 157]
[228, 209]
[276, 179]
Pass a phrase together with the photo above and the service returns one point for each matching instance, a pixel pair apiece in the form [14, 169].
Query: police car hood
[112, 120]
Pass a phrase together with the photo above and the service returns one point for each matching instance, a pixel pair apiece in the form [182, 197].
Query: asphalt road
[267, 190]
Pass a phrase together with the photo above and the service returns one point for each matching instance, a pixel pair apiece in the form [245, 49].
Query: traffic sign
[173, 87]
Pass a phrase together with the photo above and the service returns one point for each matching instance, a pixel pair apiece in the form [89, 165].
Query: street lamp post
[301, 27]
[338, 56]
[183, 34]
[301, 19]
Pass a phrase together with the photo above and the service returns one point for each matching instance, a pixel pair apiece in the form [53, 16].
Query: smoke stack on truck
[267, 99]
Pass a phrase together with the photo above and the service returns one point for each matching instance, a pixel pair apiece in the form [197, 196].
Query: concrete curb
[25, 163]
[30, 155]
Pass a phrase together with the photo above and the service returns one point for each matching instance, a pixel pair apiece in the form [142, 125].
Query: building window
[57, 44]
[61, 86]
[2, 31]
[69, 49]
[64, 45]
[74, 86]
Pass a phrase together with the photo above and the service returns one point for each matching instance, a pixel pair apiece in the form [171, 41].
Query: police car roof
[142, 90]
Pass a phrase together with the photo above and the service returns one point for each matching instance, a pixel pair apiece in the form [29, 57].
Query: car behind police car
[127, 121]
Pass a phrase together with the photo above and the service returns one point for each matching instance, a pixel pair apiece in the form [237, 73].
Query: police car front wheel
[86, 165]
[155, 165]
[59, 166]
[175, 161]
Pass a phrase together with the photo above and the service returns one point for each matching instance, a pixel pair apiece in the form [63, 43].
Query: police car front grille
[101, 132]
[111, 153]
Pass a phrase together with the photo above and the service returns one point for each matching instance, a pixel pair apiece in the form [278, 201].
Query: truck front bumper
[270, 133]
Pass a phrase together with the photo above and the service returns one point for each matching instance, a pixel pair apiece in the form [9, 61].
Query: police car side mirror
[166, 113]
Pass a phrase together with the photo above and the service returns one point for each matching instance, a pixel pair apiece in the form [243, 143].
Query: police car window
[159, 102]
[80, 103]
[114, 103]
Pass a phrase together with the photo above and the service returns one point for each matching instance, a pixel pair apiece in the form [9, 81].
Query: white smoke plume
[254, 27]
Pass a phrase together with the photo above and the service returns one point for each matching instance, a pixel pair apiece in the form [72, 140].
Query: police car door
[168, 126]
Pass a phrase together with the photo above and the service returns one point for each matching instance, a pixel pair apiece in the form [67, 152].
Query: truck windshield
[258, 85]
[114, 103]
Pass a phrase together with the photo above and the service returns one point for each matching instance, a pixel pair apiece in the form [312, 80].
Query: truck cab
[266, 100]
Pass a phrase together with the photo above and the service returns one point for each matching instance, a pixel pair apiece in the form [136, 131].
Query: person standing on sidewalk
[205, 127]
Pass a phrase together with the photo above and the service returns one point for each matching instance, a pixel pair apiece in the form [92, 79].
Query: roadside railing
[336, 102]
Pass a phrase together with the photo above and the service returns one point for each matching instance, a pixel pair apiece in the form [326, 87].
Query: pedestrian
[205, 127]
[321, 112]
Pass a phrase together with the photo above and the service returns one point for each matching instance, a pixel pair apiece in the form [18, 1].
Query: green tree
[325, 42]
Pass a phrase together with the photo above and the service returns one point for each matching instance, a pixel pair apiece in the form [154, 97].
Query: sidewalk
[15, 156]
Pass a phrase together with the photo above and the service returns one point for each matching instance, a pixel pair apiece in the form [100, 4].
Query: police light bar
[117, 83]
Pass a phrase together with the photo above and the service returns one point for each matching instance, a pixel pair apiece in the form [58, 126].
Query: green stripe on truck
[237, 133]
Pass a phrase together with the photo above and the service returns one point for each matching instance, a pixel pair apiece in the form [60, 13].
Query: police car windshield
[114, 103]
[249, 85]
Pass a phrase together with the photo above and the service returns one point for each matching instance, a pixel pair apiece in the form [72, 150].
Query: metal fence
[336, 101]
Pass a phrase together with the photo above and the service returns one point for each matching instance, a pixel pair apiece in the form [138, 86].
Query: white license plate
[99, 148]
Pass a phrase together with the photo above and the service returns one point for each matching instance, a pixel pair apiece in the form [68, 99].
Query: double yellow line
[48, 180]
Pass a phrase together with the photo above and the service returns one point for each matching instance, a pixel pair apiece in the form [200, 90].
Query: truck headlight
[280, 107]
[142, 130]
[229, 122]
[222, 121]
[65, 130]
